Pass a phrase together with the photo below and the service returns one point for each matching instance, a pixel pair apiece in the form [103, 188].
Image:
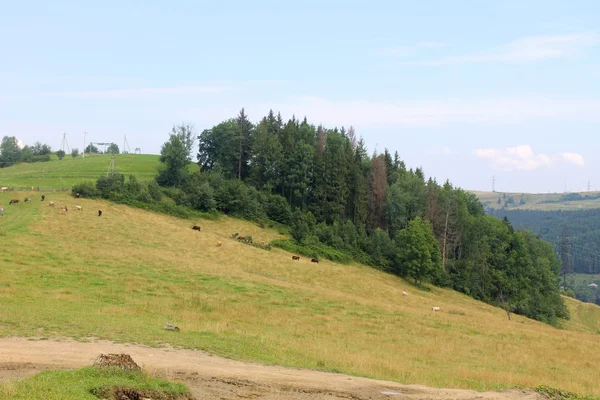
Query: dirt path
[210, 377]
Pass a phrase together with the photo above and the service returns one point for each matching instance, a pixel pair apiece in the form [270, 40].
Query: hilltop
[121, 277]
[539, 201]
[62, 174]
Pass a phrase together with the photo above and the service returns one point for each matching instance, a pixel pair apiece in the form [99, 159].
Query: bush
[60, 154]
[154, 191]
[111, 184]
[86, 189]
[277, 209]
[202, 197]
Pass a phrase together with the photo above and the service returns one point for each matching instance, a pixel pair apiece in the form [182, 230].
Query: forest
[574, 234]
[339, 202]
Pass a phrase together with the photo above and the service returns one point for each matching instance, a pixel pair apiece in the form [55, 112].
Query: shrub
[154, 191]
[202, 197]
[113, 183]
[86, 189]
[60, 154]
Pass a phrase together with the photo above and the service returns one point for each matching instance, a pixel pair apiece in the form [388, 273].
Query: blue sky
[465, 89]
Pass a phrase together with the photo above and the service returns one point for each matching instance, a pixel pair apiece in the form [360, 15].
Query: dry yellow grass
[123, 275]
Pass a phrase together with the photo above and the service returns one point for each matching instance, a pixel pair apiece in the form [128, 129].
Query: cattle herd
[63, 209]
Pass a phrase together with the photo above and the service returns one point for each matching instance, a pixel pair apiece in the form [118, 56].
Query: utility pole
[589, 186]
[494, 183]
[84, 135]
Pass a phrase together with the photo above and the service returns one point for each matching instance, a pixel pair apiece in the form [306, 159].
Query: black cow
[315, 260]
[99, 213]
[196, 228]
[43, 197]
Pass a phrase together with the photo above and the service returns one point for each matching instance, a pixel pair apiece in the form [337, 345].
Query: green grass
[62, 174]
[121, 277]
[80, 384]
[537, 201]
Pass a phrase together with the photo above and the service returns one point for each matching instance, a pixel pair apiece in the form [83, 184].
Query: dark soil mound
[122, 361]
[124, 393]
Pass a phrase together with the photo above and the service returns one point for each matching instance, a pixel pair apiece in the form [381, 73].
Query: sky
[468, 90]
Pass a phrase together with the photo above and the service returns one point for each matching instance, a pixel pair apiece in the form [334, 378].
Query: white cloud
[435, 112]
[143, 92]
[523, 158]
[574, 158]
[524, 50]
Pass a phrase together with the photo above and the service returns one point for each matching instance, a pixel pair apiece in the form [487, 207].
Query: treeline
[574, 234]
[11, 153]
[339, 202]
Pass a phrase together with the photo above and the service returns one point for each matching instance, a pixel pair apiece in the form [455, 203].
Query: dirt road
[210, 377]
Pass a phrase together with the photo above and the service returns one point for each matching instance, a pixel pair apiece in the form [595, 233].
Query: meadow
[62, 174]
[122, 276]
[537, 201]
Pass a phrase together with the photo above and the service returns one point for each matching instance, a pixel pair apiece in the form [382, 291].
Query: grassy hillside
[64, 173]
[538, 201]
[122, 276]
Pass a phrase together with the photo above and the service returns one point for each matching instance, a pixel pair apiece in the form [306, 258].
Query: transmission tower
[65, 145]
[126, 148]
[493, 183]
[589, 186]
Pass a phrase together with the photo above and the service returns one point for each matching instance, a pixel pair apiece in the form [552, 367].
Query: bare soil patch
[214, 378]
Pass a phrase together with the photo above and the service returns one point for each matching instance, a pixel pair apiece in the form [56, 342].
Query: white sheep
[435, 309]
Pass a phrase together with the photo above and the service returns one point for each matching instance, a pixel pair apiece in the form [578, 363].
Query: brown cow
[27, 199]
[241, 238]
[315, 260]
[295, 258]
[196, 228]
[219, 244]
[13, 201]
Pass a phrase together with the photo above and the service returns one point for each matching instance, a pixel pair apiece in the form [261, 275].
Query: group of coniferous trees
[343, 203]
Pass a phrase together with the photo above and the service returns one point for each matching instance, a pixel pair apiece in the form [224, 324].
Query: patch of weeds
[557, 394]
[454, 312]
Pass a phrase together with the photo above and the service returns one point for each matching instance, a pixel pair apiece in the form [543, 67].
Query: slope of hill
[539, 201]
[64, 173]
[122, 276]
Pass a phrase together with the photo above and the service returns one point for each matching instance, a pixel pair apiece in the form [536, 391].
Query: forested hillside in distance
[575, 231]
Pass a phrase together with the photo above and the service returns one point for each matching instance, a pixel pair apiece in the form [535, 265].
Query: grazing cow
[3, 189]
[76, 195]
[435, 309]
[63, 209]
[404, 293]
[77, 208]
[51, 204]
[1, 211]
[295, 258]
[13, 201]
[43, 197]
[27, 199]
[219, 244]
[196, 228]
[315, 260]
[99, 213]
[241, 238]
